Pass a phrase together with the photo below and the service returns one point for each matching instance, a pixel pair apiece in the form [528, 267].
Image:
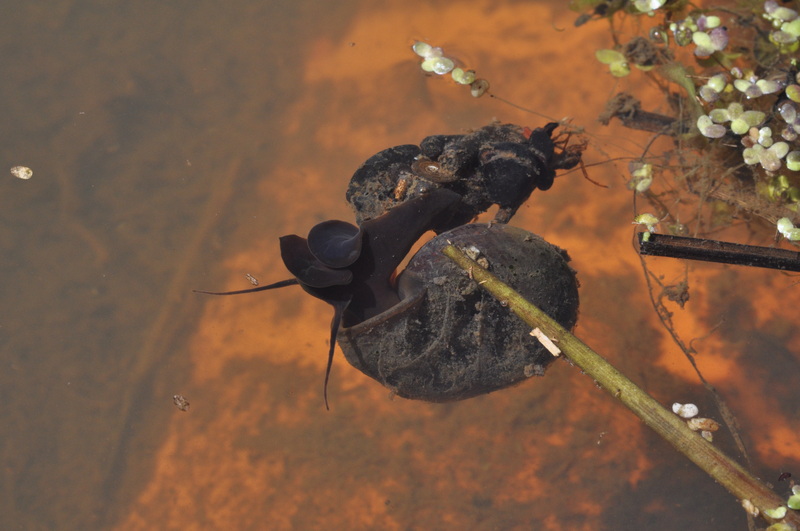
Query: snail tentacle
[338, 312]
[280, 284]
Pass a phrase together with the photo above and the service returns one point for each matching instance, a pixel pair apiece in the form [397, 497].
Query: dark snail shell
[447, 339]
[432, 171]
[371, 192]
[497, 164]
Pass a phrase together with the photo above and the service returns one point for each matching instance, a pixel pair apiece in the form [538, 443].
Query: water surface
[172, 144]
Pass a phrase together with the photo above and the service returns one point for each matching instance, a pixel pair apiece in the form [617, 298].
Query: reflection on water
[172, 144]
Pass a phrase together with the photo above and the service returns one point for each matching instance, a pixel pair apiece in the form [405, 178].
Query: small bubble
[658, 34]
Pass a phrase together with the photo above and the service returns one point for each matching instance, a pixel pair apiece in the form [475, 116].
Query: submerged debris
[22, 172]
[181, 402]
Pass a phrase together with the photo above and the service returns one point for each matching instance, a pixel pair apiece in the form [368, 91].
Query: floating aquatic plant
[641, 176]
[616, 62]
[776, 513]
[753, 87]
[648, 6]
[750, 90]
[780, 189]
[794, 500]
[740, 119]
[707, 43]
[727, 96]
[731, 94]
[434, 61]
[787, 229]
[647, 220]
[463, 77]
[707, 127]
[793, 92]
[786, 25]
[793, 160]
[713, 88]
[769, 158]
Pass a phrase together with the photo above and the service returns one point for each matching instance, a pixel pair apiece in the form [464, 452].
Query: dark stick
[717, 251]
[728, 473]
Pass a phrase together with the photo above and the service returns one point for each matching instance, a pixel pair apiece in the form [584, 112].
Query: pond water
[172, 144]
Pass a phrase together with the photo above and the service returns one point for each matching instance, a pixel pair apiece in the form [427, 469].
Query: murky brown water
[172, 144]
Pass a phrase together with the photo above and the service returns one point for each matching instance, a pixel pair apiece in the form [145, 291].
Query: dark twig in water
[717, 251]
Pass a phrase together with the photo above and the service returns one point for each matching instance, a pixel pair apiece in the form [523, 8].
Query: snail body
[447, 339]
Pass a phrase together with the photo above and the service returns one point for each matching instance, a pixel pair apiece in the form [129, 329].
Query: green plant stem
[723, 469]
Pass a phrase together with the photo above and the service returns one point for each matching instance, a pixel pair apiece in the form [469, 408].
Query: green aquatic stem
[731, 475]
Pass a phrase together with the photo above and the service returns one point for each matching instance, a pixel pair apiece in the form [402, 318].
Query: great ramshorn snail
[498, 164]
[431, 333]
[447, 339]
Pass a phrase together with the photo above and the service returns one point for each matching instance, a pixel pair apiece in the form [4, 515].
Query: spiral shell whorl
[449, 340]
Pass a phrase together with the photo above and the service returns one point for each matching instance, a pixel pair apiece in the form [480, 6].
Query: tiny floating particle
[401, 188]
[478, 88]
[788, 230]
[699, 423]
[22, 172]
[253, 280]
[181, 402]
[685, 411]
[751, 509]
[648, 220]
[641, 176]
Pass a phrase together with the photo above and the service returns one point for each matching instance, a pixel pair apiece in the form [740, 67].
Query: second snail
[429, 332]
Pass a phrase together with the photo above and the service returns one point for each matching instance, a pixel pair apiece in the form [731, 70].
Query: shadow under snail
[429, 333]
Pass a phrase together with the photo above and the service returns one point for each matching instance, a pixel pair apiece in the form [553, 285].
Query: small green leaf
[793, 163]
[608, 57]
[719, 116]
[793, 92]
[792, 28]
[794, 502]
[463, 77]
[777, 513]
[702, 39]
[619, 69]
[717, 82]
